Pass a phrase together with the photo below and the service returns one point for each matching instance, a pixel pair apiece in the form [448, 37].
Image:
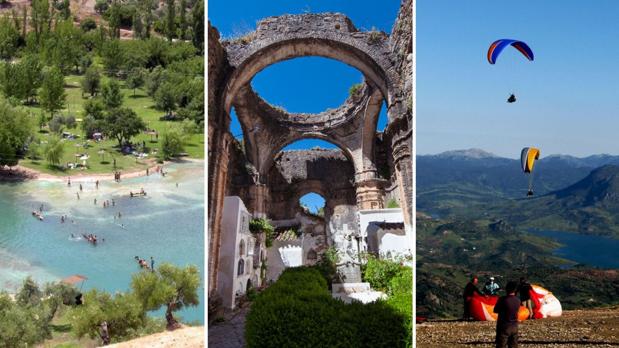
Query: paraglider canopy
[528, 156]
[497, 47]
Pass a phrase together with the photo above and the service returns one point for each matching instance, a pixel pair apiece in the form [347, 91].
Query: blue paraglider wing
[497, 47]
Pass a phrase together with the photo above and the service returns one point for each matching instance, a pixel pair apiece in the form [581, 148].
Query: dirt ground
[577, 328]
[187, 337]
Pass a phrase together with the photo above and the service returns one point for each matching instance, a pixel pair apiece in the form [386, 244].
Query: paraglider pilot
[467, 296]
[507, 322]
[491, 288]
[511, 99]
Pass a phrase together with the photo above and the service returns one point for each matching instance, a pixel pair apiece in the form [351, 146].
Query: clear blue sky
[309, 84]
[568, 98]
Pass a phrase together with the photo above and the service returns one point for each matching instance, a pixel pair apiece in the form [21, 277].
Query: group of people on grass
[516, 294]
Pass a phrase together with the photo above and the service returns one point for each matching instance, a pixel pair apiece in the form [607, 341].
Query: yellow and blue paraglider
[498, 46]
[528, 156]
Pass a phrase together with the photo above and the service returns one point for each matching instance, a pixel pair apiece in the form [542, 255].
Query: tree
[122, 124]
[29, 294]
[112, 96]
[122, 312]
[56, 124]
[94, 108]
[41, 18]
[170, 20]
[101, 6]
[15, 131]
[91, 82]
[52, 95]
[171, 286]
[54, 150]
[182, 20]
[172, 144]
[197, 15]
[113, 56]
[135, 79]
[10, 80]
[88, 24]
[30, 77]
[64, 9]
[9, 38]
[138, 26]
[165, 99]
[113, 19]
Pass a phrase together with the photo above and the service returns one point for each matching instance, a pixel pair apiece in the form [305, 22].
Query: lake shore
[21, 173]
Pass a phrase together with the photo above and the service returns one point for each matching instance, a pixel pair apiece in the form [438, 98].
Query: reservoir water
[590, 250]
[167, 224]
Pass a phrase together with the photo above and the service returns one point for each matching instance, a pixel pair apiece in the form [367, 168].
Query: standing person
[152, 264]
[78, 195]
[69, 181]
[524, 290]
[507, 323]
[104, 333]
[95, 201]
[491, 288]
[469, 290]
[97, 184]
[81, 188]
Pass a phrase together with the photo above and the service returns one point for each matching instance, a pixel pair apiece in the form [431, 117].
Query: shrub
[354, 89]
[263, 225]
[298, 311]
[401, 299]
[379, 272]
[393, 203]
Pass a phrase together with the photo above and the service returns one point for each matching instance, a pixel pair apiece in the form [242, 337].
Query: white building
[236, 254]
[384, 233]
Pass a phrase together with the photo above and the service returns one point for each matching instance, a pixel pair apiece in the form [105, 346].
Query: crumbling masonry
[371, 167]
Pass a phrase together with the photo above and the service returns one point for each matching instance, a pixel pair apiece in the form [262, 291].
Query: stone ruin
[369, 168]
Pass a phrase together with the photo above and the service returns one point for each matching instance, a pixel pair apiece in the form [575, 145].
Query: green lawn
[141, 103]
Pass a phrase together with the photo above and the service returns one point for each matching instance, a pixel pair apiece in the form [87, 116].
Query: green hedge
[298, 311]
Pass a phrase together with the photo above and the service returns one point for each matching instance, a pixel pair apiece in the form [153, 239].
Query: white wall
[392, 244]
[234, 228]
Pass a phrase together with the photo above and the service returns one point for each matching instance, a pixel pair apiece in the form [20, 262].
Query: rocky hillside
[576, 328]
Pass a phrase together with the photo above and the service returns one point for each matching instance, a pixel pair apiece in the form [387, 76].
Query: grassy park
[102, 153]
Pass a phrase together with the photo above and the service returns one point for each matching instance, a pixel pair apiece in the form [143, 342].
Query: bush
[263, 225]
[393, 203]
[298, 311]
[354, 89]
[401, 299]
[379, 272]
[88, 24]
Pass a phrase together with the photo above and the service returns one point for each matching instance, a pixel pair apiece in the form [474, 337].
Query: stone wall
[296, 173]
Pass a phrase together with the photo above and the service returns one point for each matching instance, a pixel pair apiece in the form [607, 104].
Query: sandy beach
[18, 173]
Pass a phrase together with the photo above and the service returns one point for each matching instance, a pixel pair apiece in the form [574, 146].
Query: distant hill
[461, 177]
[450, 250]
[591, 205]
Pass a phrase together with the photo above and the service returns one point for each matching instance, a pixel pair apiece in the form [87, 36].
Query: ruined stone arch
[352, 127]
[329, 35]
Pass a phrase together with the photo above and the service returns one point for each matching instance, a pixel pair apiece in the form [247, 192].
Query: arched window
[313, 203]
[241, 268]
[248, 285]
[242, 248]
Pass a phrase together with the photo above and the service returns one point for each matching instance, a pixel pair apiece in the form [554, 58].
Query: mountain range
[571, 193]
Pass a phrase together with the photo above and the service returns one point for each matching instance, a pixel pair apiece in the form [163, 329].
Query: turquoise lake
[167, 224]
[586, 249]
